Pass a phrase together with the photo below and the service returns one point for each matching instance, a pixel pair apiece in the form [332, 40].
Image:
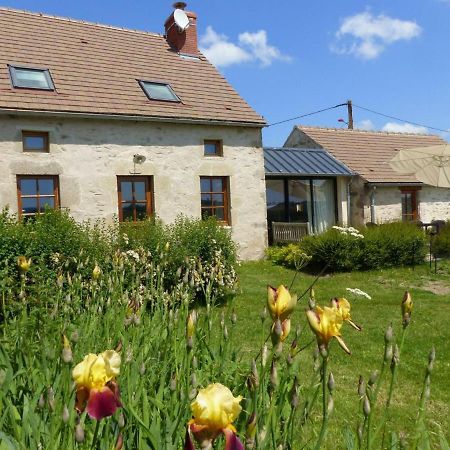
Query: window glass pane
[211, 148]
[206, 200]
[324, 205]
[217, 185]
[127, 191]
[29, 205]
[159, 91]
[31, 78]
[206, 213]
[299, 200]
[218, 199]
[205, 184]
[28, 186]
[34, 142]
[141, 211]
[127, 211]
[139, 190]
[275, 201]
[46, 202]
[45, 186]
[219, 213]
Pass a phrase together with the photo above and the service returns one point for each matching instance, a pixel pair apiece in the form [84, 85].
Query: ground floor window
[409, 205]
[215, 198]
[302, 200]
[37, 192]
[135, 198]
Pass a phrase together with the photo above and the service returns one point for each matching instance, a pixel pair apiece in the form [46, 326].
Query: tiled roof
[95, 68]
[301, 161]
[368, 152]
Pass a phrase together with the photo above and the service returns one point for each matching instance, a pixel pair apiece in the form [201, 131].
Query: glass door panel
[299, 201]
[276, 208]
[324, 205]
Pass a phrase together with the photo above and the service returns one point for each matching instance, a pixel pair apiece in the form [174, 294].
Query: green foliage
[440, 243]
[199, 253]
[290, 255]
[205, 253]
[346, 249]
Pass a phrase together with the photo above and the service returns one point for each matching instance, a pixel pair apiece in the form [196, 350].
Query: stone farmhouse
[376, 193]
[116, 123]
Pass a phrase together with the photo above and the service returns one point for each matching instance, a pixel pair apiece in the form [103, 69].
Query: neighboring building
[378, 193]
[305, 187]
[80, 103]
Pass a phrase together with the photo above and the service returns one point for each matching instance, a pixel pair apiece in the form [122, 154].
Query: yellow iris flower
[96, 272]
[23, 263]
[342, 307]
[95, 381]
[407, 306]
[214, 410]
[280, 302]
[326, 323]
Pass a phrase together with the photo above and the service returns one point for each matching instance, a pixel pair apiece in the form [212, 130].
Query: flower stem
[394, 370]
[94, 439]
[324, 404]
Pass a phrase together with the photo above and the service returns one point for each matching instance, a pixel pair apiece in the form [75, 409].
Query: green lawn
[429, 327]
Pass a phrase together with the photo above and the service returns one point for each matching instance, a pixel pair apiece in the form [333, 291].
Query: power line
[306, 115]
[401, 120]
[364, 109]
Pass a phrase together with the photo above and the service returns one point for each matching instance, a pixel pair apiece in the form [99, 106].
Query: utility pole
[350, 114]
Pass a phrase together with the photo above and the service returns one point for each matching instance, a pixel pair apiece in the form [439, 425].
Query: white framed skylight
[31, 78]
[159, 91]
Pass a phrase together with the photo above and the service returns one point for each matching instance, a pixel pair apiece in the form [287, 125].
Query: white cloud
[221, 52]
[366, 36]
[366, 125]
[404, 128]
[250, 47]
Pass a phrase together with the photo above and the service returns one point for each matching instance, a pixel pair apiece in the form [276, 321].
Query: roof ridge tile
[356, 130]
[79, 21]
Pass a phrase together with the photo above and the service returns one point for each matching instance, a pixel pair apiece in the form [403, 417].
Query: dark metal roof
[302, 161]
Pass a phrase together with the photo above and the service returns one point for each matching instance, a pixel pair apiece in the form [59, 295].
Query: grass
[429, 327]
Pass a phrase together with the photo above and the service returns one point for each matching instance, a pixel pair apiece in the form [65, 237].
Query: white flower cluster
[359, 292]
[132, 254]
[349, 231]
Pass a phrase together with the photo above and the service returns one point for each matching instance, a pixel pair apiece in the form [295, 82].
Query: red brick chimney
[182, 41]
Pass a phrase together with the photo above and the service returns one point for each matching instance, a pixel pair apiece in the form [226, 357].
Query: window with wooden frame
[215, 198]
[409, 201]
[35, 193]
[135, 198]
[213, 147]
[35, 141]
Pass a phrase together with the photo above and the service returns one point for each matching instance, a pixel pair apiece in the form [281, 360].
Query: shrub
[54, 238]
[200, 254]
[205, 254]
[393, 244]
[440, 244]
[346, 249]
[290, 255]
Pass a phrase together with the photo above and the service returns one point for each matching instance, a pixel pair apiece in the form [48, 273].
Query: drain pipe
[372, 205]
[349, 202]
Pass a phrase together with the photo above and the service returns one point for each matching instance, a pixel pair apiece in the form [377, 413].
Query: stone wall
[433, 204]
[89, 154]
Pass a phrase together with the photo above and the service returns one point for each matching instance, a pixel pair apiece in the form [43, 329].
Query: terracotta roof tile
[368, 152]
[95, 68]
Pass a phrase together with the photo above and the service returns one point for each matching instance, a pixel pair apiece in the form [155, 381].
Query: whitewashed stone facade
[89, 154]
[433, 204]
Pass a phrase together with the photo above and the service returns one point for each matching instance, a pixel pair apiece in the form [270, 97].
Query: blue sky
[291, 58]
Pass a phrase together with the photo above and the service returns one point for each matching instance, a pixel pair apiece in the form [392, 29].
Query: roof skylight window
[24, 77]
[159, 91]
